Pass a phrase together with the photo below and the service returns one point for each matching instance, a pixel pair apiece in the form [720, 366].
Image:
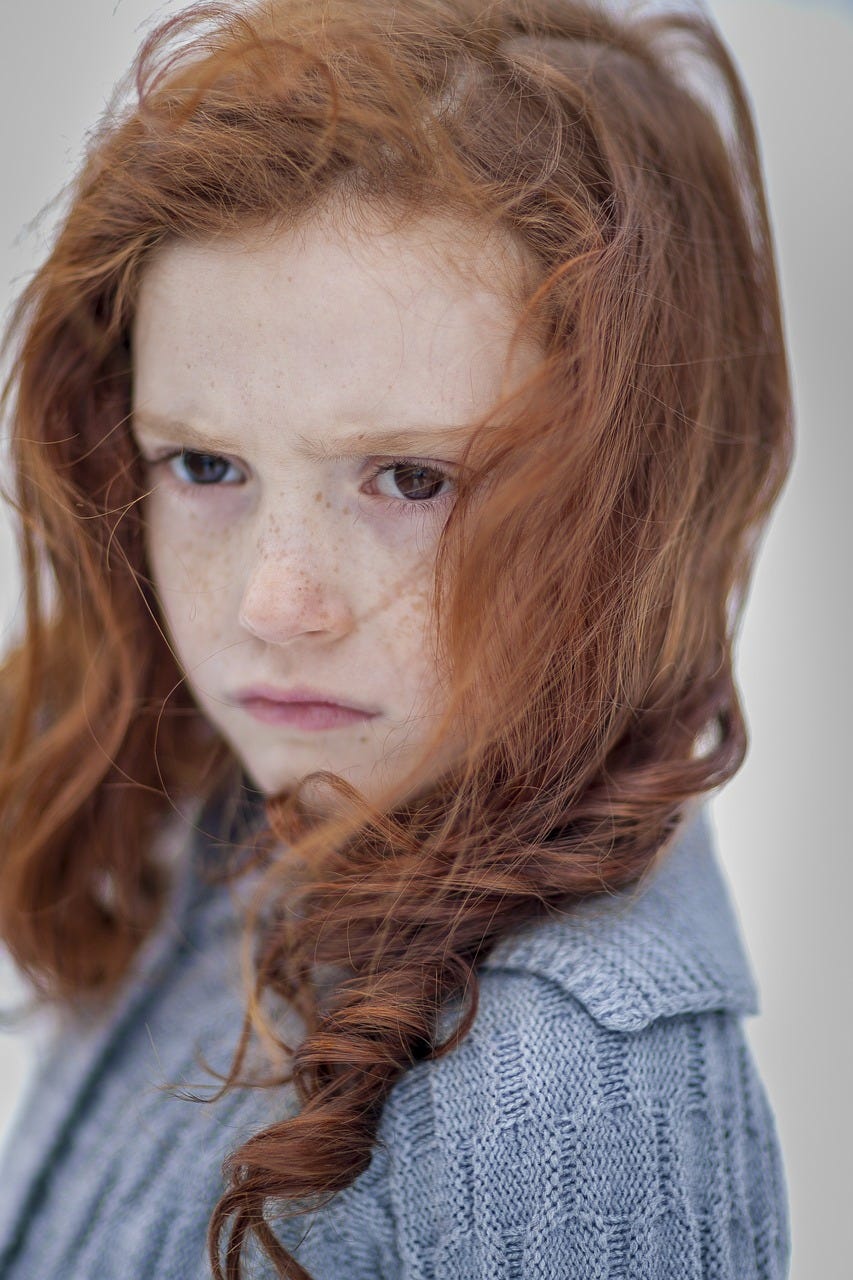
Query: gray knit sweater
[604, 1120]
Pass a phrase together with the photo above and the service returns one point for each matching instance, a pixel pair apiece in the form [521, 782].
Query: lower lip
[304, 715]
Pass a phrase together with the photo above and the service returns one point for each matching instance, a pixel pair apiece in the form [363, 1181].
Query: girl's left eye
[418, 483]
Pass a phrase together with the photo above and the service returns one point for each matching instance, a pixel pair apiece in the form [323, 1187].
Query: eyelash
[410, 506]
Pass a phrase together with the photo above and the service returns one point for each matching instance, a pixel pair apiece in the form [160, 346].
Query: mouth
[303, 713]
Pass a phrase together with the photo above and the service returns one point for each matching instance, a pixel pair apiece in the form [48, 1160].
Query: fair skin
[272, 562]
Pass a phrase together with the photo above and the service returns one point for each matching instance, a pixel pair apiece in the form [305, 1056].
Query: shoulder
[547, 1141]
[604, 1114]
[671, 944]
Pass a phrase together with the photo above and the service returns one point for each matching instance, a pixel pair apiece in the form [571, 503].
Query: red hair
[589, 580]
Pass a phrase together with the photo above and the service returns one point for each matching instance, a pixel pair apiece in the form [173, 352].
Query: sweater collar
[670, 945]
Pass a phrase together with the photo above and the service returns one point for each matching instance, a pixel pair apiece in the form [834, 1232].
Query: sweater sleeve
[548, 1145]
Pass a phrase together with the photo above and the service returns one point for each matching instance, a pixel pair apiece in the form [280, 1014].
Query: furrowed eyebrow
[341, 449]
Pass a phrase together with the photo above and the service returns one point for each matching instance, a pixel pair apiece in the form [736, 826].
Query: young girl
[393, 425]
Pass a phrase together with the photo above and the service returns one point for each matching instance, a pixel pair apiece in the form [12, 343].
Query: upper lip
[301, 693]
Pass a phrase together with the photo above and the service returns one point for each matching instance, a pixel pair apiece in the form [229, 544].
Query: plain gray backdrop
[781, 824]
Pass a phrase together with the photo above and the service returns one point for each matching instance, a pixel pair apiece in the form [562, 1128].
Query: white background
[782, 823]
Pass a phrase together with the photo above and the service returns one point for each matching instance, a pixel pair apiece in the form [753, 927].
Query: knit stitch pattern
[603, 1120]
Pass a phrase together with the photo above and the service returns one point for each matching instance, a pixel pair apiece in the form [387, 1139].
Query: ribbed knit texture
[604, 1119]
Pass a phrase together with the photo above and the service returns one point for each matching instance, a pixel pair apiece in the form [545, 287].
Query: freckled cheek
[405, 635]
[188, 566]
[167, 549]
[415, 616]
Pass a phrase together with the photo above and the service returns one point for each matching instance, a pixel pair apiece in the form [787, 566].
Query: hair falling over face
[589, 579]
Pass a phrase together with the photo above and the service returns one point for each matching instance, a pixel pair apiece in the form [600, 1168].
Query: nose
[288, 596]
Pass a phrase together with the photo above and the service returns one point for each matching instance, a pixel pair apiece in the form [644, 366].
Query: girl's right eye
[201, 468]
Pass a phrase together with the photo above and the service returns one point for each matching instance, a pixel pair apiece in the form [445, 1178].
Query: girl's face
[300, 401]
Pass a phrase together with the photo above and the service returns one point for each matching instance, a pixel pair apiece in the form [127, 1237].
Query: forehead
[325, 261]
[317, 324]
